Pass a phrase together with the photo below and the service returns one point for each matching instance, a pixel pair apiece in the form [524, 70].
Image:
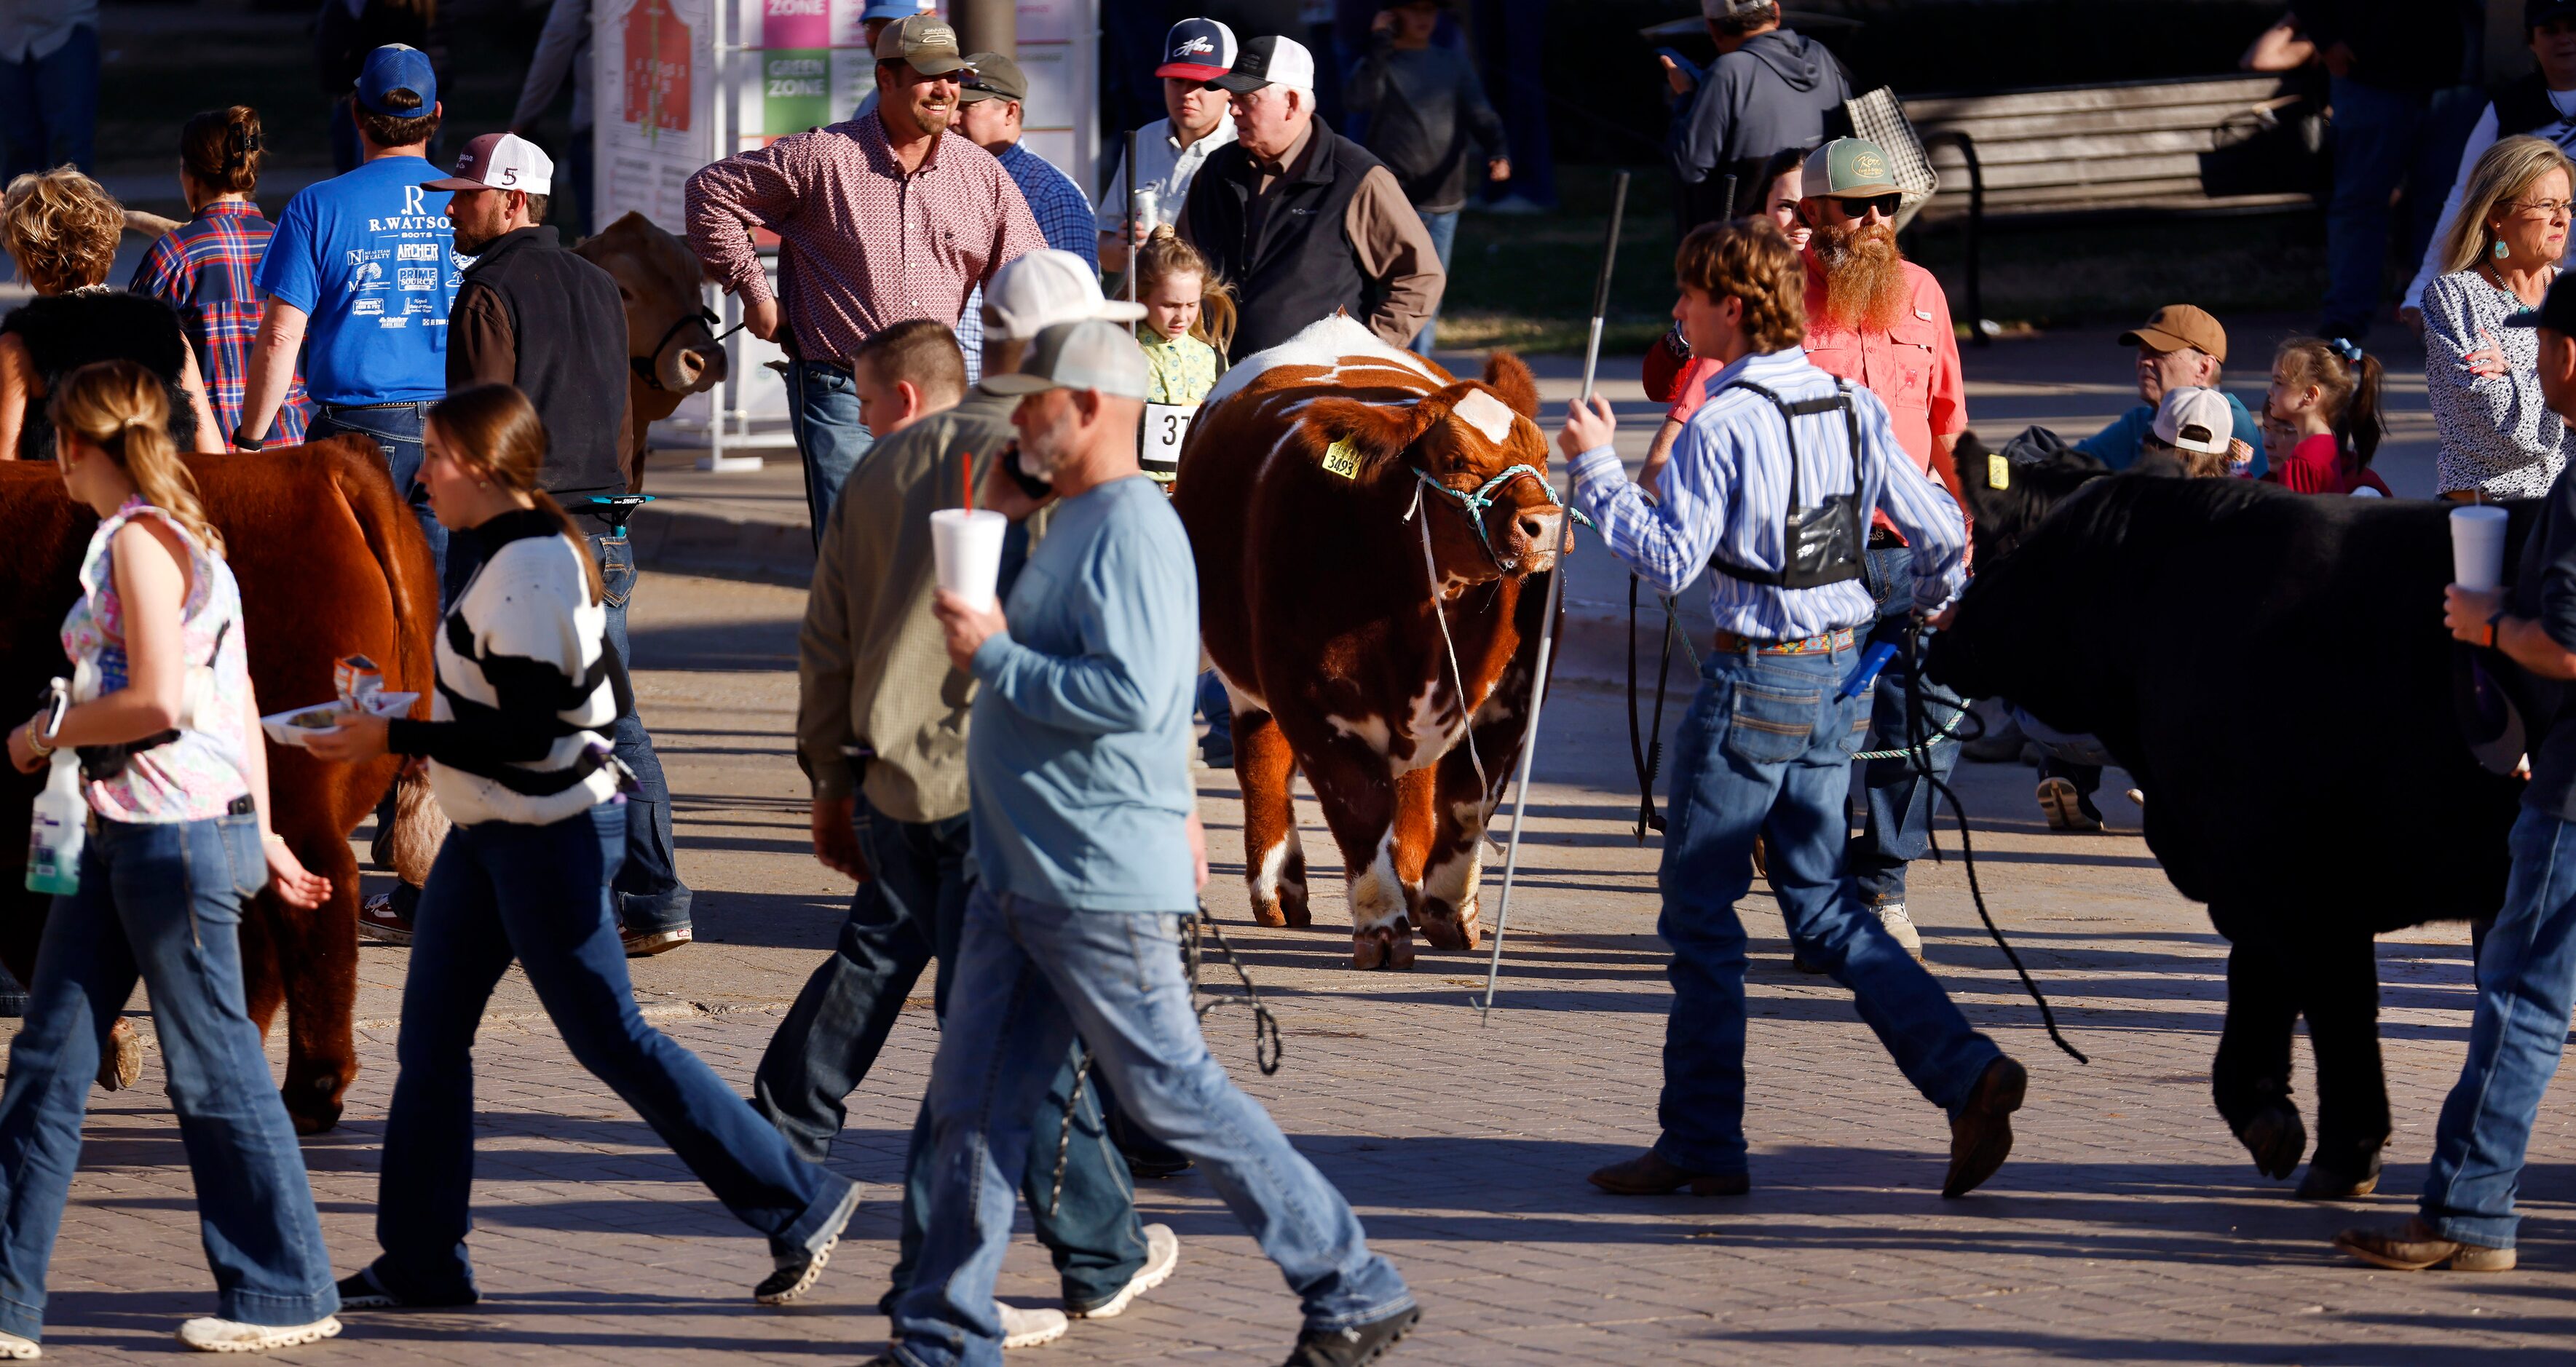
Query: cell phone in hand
[1030, 485]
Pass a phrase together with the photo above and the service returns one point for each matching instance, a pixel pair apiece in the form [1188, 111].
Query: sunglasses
[1885, 204]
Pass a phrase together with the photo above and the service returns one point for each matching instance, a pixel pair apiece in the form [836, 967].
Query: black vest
[570, 329]
[1287, 252]
[63, 332]
[2522, 105]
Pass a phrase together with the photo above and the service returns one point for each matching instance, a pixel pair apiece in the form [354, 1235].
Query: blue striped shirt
[1726, 492]
[1064, 216]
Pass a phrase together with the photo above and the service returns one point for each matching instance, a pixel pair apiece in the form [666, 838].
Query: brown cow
[331, 563]
[670, 338]
[1300, 487]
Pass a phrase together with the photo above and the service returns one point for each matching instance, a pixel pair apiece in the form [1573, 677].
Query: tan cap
[2180, 325]
[993, 77]
[924, 42]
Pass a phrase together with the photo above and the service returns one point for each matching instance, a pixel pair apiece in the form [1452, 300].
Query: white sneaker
[18, 1349]
[1162, 1254]
[1029, 1328]
[211, 1335]
[1893, 917]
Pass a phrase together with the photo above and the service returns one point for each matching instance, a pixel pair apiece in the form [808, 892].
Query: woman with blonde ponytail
[518, 760]
[166, 734]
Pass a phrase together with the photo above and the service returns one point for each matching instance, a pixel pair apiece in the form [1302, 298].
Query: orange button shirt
[1913, 367]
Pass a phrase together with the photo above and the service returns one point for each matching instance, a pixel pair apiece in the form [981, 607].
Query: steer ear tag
[1341, 459]
[1998, 471]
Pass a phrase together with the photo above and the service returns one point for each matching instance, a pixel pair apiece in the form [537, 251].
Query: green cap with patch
[1847, 166]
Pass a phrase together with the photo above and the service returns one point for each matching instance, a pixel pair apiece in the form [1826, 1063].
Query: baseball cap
[1046, 287]
[2194, 419]
[2557, 311]
[1730, 9]
[924, 42]
[2176, 326]
[396, 67]
[1269, 60]
[892, 9]
[2539, 12]
[500, 161]
[1847, 166]
[1201, 50]
[992, 76]
[1087, 353]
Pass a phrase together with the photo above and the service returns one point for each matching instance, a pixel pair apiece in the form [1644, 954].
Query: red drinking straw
[967, 479]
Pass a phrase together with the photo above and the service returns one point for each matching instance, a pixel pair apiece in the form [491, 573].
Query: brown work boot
[1981, 1134]
[1648, 1174]
[2415, 1245]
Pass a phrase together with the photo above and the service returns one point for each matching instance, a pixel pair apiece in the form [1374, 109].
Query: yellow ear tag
[1998, 472]
[1341, 459]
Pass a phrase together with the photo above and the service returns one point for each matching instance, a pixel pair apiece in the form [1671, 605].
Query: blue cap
[890, 9]
[396, 67]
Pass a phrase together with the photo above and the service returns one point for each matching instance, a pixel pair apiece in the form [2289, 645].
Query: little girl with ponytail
[2327, 391]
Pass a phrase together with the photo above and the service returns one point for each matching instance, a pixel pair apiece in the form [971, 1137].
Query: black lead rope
[1267, 1046]
[1918, 730]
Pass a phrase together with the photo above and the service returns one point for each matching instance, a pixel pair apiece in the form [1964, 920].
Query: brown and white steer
[1301, 487]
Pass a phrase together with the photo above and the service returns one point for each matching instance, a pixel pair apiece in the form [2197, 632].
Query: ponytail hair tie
[2345, 347]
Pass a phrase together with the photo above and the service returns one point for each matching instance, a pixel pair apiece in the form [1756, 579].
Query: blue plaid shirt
[1064, 217]
[208, 269]
[1725, 492]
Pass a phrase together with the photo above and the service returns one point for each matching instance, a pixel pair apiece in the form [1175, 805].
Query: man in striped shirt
[1771, 487]
[989, 105]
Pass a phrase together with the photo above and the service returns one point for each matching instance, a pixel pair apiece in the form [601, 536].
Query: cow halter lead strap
[648, 365]
[1478, 503]
[1440, 614]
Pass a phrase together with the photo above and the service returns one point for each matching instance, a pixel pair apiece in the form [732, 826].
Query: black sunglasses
[1886, 205]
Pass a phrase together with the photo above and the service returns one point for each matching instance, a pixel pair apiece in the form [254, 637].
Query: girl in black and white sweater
[518, 760]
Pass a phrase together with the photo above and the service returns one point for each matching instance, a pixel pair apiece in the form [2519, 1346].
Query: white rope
[1457, 677]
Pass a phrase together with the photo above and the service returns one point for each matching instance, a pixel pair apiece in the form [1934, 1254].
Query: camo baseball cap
[1847, 166]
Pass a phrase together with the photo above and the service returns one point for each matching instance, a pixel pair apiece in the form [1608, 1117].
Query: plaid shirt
[863, 245]
[208, 269]
[1064, 215]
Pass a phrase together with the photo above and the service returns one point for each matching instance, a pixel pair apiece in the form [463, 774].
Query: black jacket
[1288, 251]
[1780, 90]
[63, 332]
[537, 316]
[2410, 46]
[1425, 110]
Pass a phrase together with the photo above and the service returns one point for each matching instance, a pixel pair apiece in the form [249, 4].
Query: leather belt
[1840, 638]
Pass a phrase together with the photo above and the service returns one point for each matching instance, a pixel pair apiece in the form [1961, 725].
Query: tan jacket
[872, 669]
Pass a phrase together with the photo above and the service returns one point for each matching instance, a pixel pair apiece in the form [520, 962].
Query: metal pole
[1547, 624]
[1132, 244]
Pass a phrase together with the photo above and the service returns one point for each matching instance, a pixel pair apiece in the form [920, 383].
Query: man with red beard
[1878, 320]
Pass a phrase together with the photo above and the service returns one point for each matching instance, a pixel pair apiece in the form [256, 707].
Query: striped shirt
[208, 269]
[1725, 492]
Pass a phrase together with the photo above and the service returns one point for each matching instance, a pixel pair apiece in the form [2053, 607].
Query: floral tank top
[195, 777]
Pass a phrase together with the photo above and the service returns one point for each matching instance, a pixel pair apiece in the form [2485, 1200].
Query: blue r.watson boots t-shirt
[371, 260]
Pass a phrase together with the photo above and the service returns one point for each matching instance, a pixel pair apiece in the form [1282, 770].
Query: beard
[934, 114]
[1044, 451]
[1865, 287]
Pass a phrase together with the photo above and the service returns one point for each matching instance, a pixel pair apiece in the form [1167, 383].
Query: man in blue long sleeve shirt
[1770, 488]
[1086, 835]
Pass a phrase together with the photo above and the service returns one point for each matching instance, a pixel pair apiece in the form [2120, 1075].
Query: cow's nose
[1540, 528]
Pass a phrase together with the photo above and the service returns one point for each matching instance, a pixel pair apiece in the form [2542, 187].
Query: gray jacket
[1776, 92]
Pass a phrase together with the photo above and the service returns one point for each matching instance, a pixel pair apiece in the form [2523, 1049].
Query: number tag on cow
[1342, 458]
[1998, 471]
[1167, 425]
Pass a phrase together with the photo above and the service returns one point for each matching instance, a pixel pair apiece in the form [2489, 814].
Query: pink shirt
[1913, 367]
[862, 244]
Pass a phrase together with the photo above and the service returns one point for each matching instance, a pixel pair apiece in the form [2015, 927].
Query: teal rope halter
[1475, 504]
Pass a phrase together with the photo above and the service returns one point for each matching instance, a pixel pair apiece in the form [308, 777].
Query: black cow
[2272, 669]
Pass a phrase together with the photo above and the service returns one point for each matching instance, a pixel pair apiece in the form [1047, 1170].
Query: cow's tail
[394, 537]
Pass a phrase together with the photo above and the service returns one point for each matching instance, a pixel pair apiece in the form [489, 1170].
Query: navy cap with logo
[396, 67]
[1197, 50]
[2539, 12]
[2557, 311]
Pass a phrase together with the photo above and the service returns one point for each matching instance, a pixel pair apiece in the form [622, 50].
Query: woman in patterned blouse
[2499, 439]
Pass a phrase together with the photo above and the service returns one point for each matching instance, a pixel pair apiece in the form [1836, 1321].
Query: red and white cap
[500, 161]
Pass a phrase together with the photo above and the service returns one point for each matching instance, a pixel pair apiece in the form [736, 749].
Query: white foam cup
[966, 549]
[2477, 547]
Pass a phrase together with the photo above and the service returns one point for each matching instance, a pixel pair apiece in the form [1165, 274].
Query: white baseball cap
[500, 161]
[1269, 60]
[1086, 353]
[1048, 286]
[2194, 419]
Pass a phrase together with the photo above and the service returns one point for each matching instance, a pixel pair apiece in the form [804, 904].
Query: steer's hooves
[314, 1118]
[120, 1064]
[1268, 914]
[1446, 929]
[2276, 1138]
[2329, 1181]
[1382, 947]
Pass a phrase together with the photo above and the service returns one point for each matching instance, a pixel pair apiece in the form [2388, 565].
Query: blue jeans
[395, 427]
[1030, 976]
[1898, 827]
[900, 920]
[650, 895]
[823, 415]
[162, 901]
[2526, 982]
[2383, 138]
[539, 894]
[1444, 237]
[1766, 749]
[1218, 747]
[49, 107]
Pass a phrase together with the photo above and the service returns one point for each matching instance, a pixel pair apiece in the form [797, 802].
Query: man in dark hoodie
[1770, 89]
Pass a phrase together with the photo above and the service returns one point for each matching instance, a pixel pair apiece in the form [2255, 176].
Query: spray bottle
[61, 823]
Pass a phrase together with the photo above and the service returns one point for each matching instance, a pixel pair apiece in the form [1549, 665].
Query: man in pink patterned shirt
[881, 219]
